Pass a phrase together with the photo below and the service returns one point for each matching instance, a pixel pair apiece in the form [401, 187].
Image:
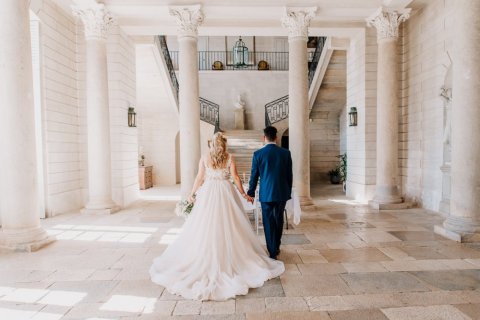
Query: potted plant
[335, 175]
[343, 170]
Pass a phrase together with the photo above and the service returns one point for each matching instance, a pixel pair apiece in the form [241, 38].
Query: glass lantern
[132, 117]
[352, 115]
[240, 54]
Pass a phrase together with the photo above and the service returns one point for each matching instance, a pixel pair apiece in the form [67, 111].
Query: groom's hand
[249, 199]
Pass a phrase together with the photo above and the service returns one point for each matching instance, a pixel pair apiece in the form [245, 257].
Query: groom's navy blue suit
[273, 165]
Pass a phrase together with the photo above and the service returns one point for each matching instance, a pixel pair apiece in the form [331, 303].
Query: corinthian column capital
[96, 19]
[297, 20]
[387, 21]
[188, 19]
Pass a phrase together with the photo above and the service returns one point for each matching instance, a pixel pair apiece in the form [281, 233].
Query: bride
[217, 256]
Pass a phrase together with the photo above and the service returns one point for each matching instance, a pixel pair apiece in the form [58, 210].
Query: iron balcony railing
[276, 61]
[277, 110]
[210, 113]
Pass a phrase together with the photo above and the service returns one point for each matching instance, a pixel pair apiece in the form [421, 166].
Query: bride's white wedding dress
[217, 255]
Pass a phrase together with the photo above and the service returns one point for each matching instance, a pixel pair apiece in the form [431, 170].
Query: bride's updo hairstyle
[218, 150]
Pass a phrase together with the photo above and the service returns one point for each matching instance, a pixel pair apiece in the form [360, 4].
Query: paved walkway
[343, 261]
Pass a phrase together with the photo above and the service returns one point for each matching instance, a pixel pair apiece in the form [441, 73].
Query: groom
[273, 165]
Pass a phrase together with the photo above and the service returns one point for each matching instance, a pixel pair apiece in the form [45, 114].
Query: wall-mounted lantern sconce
[352, 116]
[132, 117]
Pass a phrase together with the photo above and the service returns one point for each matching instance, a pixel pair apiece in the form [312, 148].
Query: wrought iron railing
[315, 59]
[210, 113]
[276, 111]
[276, 61]
[163, 48]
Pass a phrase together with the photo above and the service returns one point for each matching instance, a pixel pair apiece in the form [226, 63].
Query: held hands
[248, 198]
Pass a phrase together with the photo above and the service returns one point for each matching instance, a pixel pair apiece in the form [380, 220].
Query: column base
[377, 205]
[307, 204]
[100, 211]
[24, 240]
[459, 229]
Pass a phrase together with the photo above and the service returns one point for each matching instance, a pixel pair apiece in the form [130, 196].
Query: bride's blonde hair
[218, 150]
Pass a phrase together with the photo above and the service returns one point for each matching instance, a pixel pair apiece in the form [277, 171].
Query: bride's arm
[237, 180]
[198, 180]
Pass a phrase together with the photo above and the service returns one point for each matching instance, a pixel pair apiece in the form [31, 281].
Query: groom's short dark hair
[270, 133]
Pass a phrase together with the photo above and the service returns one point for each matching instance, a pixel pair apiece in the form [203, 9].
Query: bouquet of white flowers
[184, 207]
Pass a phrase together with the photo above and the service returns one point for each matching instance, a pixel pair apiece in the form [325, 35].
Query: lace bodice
[217, 174]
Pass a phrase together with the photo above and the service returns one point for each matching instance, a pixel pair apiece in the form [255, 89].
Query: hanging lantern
[240, 54]
[132, 117]
[352, 115]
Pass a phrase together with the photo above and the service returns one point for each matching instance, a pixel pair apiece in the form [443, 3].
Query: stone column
[97, 21]
[463, 224]
[19, 195]
[297, 20]
[188, 19]
[387, 22]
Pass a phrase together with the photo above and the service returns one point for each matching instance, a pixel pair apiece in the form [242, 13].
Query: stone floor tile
[218, 307]
[294, 239]
[314, 285]
[339, 245]
[458, 264]
[437, 297]
[471, 310]
[277, 304]
[443, 312]
[372, 301]
[254, 305]
[70, 275]
[423, 253]
[311, 256]
[289, 256]
[96, 291]
[358, 267]
[142, 288]
[451, 280]
[329, 236]
[414, 235]
[291, 268]
[366, 314]
[354, 255]
[104, 274]
[395, 253]
[321, 268]
[368, 235]
[187, 307]
[271, 288]
[384, 282]
[327, 303]
[299, 315]
[475, 262]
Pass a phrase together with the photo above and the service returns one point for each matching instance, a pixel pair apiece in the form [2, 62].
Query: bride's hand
[191, 199]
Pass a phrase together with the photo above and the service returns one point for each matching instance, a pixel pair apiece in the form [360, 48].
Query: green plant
[334, 172]
[343, 166]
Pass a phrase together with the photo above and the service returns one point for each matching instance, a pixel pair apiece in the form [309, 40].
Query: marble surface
[390, 266]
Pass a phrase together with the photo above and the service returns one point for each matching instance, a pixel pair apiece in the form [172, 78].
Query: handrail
[161, 42]
[316, 57]
[278, 110]
[210, 113]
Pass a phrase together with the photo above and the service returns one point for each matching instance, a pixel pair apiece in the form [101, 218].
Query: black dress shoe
[278, 252]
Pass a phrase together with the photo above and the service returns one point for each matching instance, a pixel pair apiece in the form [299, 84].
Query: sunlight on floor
[101, 233]
[348, 202]
[132, 304]
[170, 235]
[164, 193]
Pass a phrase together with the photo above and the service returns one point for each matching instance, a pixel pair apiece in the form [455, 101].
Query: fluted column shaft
[296, 20]
[19, 195]
[387, 23]
[97, 22]
[188, 18]
[464, 216]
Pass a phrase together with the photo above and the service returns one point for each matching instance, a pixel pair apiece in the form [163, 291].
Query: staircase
[242, 144]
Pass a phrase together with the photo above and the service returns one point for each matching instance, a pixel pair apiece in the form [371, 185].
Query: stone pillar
[463, 224]
[20, 219]
[97, 21]
[387, 22]
[297, 20]
[188, 19]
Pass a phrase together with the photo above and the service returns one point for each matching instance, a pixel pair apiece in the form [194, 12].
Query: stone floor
[343, 261]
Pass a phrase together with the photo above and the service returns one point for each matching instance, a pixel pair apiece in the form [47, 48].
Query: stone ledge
[456, 236]
[27, 247]
[390, 206]
[100, 211]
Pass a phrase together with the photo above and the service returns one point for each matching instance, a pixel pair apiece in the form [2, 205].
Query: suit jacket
[273, 165]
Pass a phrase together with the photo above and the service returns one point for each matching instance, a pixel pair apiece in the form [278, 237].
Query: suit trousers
[272, 216]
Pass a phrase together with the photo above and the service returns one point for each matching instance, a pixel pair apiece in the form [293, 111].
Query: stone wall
[60, 106]
[425, 48]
